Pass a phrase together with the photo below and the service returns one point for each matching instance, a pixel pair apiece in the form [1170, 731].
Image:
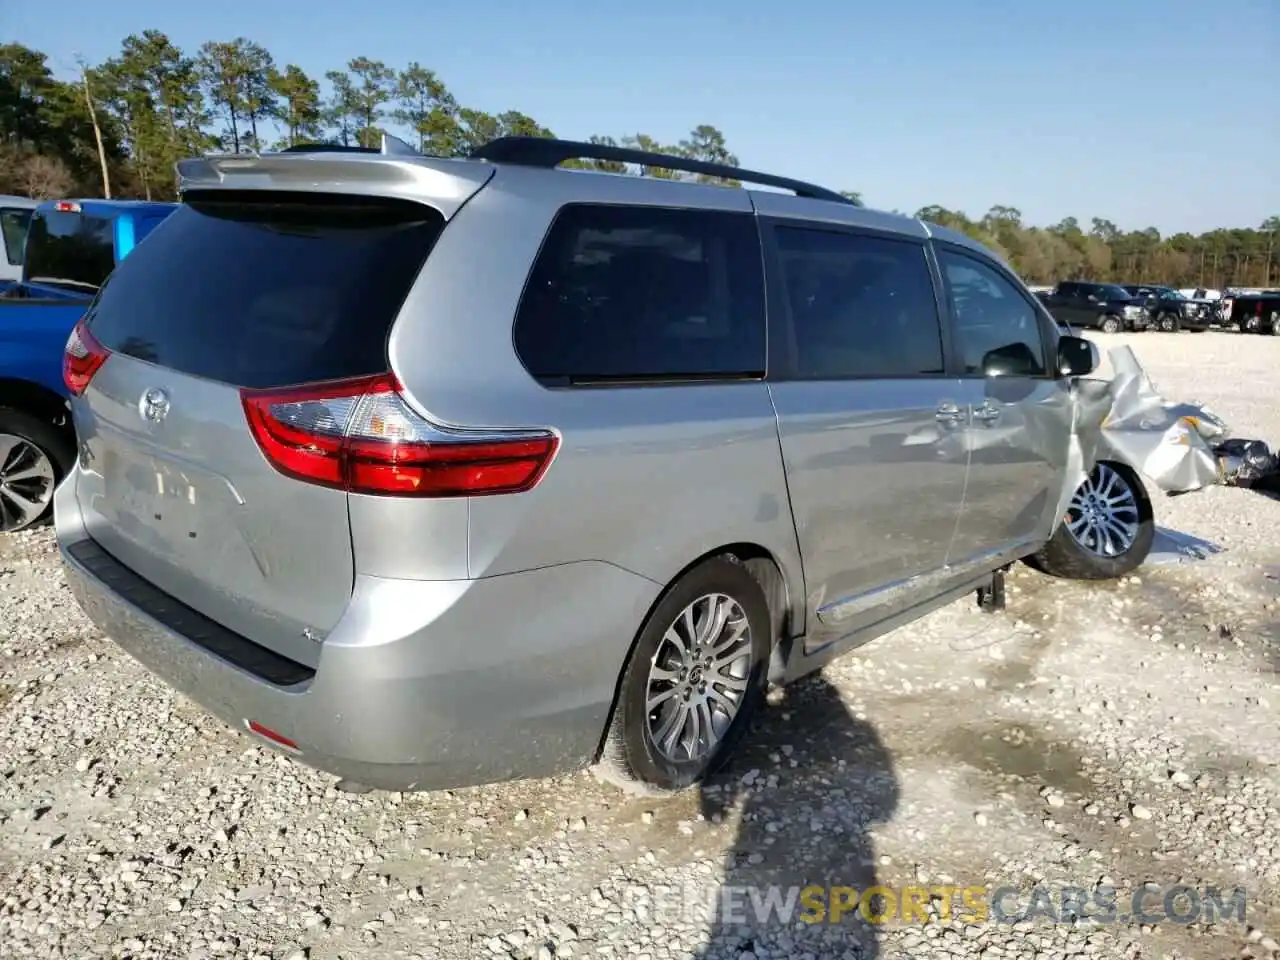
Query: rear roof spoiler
[390, 146]
[394, 169]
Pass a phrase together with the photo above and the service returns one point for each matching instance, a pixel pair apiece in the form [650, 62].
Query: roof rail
[390, 146]
[548, 153]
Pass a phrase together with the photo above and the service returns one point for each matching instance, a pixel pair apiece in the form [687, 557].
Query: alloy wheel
[27, 481]
[1103, 515]
[698, 678]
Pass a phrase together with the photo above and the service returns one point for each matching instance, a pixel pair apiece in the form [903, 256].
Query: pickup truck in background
[1171, 311]
[15, 214]
[1096, 306]
[70, 249]
[1202, 293]
[1256, 311]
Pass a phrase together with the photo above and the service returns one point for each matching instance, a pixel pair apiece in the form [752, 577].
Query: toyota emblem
[154, 405]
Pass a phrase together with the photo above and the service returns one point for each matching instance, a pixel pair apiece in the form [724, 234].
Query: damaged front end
[1177, 447]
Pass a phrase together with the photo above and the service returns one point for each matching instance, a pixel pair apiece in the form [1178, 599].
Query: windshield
[1113, 292]
[13, 226]
[69, 250]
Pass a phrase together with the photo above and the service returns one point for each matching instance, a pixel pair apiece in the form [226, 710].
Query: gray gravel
[1120, 734]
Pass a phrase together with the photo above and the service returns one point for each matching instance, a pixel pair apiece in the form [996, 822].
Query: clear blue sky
[1147, 112]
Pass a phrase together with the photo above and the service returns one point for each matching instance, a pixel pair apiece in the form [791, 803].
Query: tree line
[117, 128]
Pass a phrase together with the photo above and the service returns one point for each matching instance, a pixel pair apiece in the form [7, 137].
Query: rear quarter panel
[648, 478]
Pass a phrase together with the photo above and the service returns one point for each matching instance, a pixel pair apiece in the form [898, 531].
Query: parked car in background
[71, 247]
[1256, 311]
[481, 468]
[1171, 311]
[15, 214]
[1096, 306]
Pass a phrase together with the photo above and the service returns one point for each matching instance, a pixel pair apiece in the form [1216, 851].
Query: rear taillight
[361, 436]
[81, 359]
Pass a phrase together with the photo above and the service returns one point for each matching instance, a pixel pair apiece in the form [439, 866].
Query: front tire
[1107, 531]
[34, 457]
[694, 679]
[1110, 324]
[1168, 323]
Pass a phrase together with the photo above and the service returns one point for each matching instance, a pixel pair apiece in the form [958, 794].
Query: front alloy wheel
[1103, 516]
[1107, 529]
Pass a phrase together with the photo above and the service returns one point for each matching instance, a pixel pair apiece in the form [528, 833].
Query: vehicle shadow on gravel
[834, 782]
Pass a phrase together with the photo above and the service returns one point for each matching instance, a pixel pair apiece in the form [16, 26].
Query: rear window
[70, 250]
[644, 293]
[13, 229]
[268, 290]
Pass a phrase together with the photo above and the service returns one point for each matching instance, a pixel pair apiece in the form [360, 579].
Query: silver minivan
[436, 472]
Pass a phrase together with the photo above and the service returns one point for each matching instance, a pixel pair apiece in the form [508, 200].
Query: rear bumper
[422, 685]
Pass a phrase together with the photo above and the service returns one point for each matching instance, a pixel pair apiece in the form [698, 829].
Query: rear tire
[649, 749]
[1110, 324]
[1084, 555]
[1168, 323]
[35, 456]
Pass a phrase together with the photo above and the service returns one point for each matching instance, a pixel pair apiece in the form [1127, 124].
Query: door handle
[949, 413]
[987, 413]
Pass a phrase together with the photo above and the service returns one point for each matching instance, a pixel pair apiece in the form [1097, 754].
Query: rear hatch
[246, 293]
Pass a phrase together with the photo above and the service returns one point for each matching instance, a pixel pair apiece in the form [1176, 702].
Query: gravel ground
[1118, 734]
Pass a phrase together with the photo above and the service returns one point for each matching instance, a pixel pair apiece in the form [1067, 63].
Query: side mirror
[1077, 357]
